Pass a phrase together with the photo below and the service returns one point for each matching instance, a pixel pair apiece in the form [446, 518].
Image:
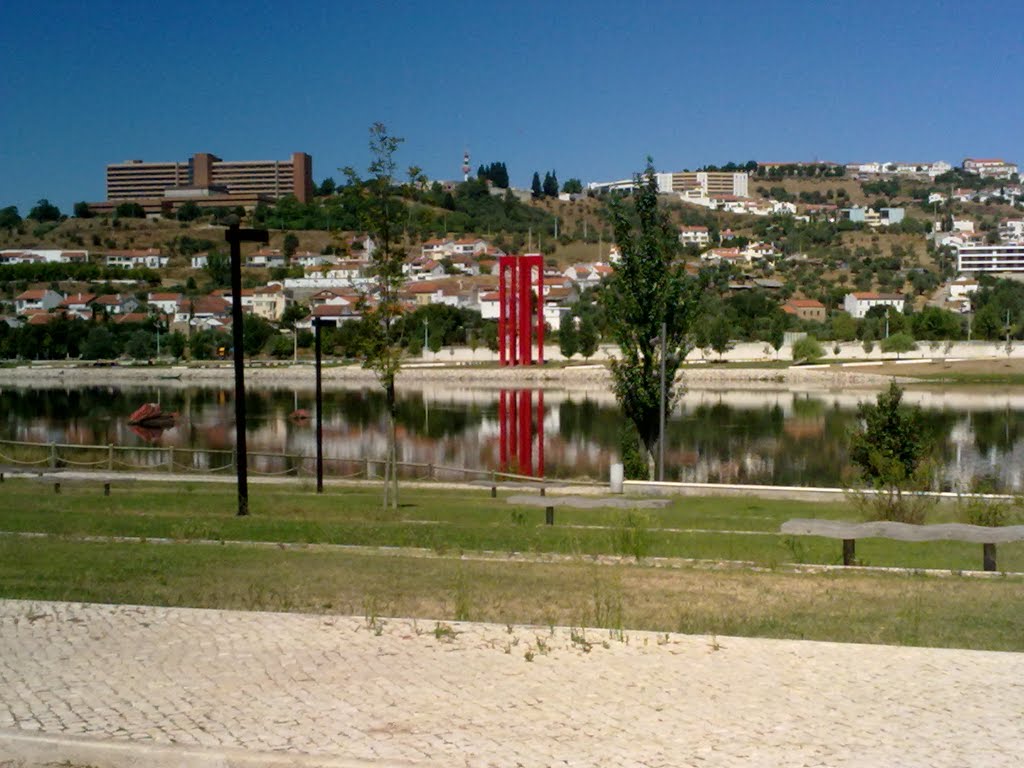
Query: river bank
[573, 378]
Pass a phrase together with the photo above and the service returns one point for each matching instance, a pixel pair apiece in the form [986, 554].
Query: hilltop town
[864, 251]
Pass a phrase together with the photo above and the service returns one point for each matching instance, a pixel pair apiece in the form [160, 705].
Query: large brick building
[209, 180]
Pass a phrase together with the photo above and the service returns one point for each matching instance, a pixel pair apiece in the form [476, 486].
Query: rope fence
[115, 458]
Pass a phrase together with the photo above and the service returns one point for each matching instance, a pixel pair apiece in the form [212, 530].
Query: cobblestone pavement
[488, 695]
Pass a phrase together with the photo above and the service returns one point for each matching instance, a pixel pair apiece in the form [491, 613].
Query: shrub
[808, 350]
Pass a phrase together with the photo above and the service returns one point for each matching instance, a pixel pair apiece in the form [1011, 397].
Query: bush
[808, 350]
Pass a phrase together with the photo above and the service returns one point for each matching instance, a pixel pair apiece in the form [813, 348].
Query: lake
[728, 436]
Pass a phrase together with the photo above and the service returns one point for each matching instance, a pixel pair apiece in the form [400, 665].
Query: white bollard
[616, 478]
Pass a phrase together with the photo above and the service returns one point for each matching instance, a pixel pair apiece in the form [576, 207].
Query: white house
[858, 304]
[151, 258]
[695, 234]
[166, 303]
[42, 256]
[267, 258]
[1011, 230]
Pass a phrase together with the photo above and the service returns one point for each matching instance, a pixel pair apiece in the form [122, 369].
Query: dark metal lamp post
[235, 238]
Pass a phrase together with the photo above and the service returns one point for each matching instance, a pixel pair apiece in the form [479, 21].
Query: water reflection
[770, 437]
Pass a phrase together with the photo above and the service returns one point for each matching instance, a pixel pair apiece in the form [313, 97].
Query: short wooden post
[494, 484]
[170, 459]
[110, 456]
[367, 468]
[430, 471]
[542, 491]
[989, 556]
[56, 487]
[849, 551]
[53, 455]
[106, 489]
[549, 515]
[1, 477]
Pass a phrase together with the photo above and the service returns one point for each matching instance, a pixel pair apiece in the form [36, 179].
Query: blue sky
[586, 88]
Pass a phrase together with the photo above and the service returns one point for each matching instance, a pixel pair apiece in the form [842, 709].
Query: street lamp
[235, 238]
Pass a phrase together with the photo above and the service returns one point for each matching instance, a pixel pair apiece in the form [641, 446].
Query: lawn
[445, 577]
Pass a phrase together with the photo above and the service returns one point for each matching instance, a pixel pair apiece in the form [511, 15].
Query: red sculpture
[520, 292]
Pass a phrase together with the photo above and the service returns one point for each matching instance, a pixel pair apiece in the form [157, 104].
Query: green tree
[256, 332]
[648, 288]
[130, 210]
[808, 349]
[293, 313]
[777, 333]
[9, 217]
[140, 345]
[889, 449]
[82, 210]
[719, 335]
[382, 215]
[587, 336]
[99, 344]
[44, 210]
[899, 343]
[218, 267]
[573, 186]
[535, 186]
[290, 245]
[550, 186]
[568, 341]
[176, 343]
[189, 211]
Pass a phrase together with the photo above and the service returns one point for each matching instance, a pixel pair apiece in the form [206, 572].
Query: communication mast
[465, 165]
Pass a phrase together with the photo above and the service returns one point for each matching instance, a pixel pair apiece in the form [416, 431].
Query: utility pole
[235, 238]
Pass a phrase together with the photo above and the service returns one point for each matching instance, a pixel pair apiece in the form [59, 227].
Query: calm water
[780, 438]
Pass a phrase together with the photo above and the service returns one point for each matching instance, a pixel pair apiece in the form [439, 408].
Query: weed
[714, 645]
[444, 632]
[795, 548]
[663, 639]
[542, 646]
[578, 637]
[518, 517]
[631, 535]
[529, 655]
[461, 597]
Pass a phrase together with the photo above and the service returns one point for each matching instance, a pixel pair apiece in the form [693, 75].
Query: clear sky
[588, 89]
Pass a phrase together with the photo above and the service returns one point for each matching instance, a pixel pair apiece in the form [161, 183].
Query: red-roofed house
[857, 304]
[805, 309]
[39, 299]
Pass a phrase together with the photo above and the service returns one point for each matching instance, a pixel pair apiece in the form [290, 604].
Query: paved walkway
[198, 687]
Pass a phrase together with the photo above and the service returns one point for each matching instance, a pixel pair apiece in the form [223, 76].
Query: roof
[78, 298]
[33, 295]
[164, 296]
[693, 228]
[805, 304]
[869, 295]
[133, 317]
[334, 310]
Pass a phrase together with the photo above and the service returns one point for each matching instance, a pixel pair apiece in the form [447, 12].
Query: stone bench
[582, 502]
[848, 533]
[60, 481]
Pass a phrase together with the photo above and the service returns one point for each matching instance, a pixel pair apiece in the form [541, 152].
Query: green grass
[844, 607]
[715, 528]
[767, 602]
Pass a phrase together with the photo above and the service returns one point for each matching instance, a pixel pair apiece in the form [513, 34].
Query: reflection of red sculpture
[149, 434]
[516, 299]
[517, 430]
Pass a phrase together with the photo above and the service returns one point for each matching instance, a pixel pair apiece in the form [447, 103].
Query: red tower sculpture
[520, 279]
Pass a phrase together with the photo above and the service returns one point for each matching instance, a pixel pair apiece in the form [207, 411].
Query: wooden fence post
[170, 459]
[53, 455]
[989, 556]
[110, 456]
[849, 551]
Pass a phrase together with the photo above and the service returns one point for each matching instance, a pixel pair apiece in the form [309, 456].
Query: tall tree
[44, 210]
[648, 288]
[382, 215]
[9, 217]
[568, 343]
[550, 186]
[535, 186]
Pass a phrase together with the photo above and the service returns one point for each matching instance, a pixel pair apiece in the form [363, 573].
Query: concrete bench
[848, 533]
[60, 481]
[582, 502]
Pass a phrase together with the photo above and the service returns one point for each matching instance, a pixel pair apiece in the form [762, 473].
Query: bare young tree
[382, 212]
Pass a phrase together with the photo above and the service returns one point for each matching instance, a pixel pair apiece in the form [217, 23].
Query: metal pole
[239, 356]
[235, 236]
[661, 415]
[319, 413]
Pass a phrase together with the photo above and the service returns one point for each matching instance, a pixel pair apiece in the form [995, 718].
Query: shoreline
[574, 378]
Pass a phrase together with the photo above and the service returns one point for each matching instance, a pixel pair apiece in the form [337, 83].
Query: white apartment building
[42, 256]
[710, 183]
[1011, 230]
[696, 234]
[857, 304]
[991, 167]
[1005, 257]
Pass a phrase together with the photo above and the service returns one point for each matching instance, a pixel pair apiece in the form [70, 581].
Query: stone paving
[406, 692]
